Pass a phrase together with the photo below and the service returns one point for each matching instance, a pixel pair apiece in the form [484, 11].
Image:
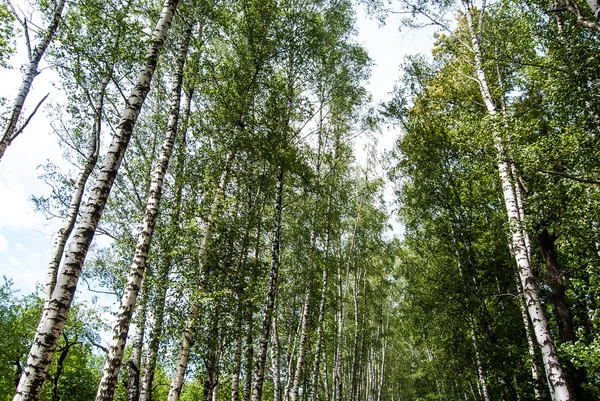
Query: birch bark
[55, 315]
[557, 382]
[157, 329]
[315, 372]
[261, 355]
[535, 376]
[275, 361]
[11, 131]
[237, 361]
[138, 266]
[65, 232]
[303, 340]
[249, 354]
[187, 337]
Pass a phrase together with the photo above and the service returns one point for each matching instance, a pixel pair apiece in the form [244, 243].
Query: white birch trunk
[237, 364]
[337, 368]
[315, 372]
[480, 372]
[302, 345]
[557, 382]
[153, 347]
[11, 131]
[261, 355]
[55, 316]
[138, 266]
[65, 232]
[275, 361]
[187, 337]
[530, 343]
[249, 354]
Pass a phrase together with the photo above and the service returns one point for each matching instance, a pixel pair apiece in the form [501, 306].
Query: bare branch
[570, 177]
[29, 118]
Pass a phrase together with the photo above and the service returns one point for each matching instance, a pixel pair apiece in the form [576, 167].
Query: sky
[26, 236]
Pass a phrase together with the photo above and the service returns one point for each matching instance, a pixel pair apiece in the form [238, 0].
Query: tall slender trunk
[546, 244]
[303, 341]
[188, 333]
[354, 365]
[292, 339]
[65, 232]
[134, 364]
[164, 269]
[554, 371]
[530, 343]
[480, 371]
[337, 368]
[562, 313]
[10, 132]
[55, 315]
[215, 346]
[249, 358]
[383, 356]
[275, 361]
[271, 291]
[138, 266]
[315, 372]
[237, 360]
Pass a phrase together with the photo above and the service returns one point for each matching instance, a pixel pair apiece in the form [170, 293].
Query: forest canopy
[222, 236]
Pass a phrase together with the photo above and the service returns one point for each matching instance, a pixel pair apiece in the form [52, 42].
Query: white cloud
[13, 261]
[3, 244]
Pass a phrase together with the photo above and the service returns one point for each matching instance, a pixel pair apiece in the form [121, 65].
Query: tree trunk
[354, 366]
[11, 131]
[237, 361]
[249, 359]
[65, 232]
[315, 372]
[275, 361]
[303, 341]
[561, 309]
[271, 292]
[138, 266]
[134, 364]
[59, 368]
[530, 344]
[211, 378]
[480, 371]
[546, 243]
[55, 315]
[188, 333]
[164, 270]
[337, 369]
[554, 372]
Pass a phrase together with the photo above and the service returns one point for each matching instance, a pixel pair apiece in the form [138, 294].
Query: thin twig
[29, 118]
[570, 177]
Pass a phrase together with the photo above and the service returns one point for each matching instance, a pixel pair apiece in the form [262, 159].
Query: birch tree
[55, 315]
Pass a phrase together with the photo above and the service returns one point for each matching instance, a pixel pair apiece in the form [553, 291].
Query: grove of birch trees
[225, 236]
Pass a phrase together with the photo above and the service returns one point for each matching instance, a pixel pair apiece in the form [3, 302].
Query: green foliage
[7, 33]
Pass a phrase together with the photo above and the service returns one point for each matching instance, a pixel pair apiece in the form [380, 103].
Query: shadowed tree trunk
[261, 356]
